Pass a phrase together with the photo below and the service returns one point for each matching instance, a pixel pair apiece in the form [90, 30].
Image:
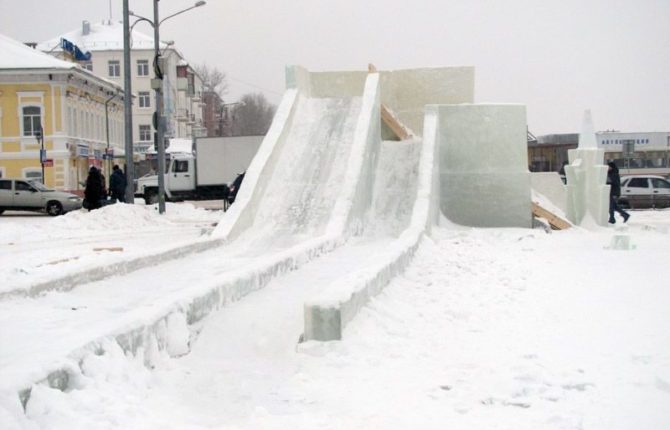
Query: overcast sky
[556, 57]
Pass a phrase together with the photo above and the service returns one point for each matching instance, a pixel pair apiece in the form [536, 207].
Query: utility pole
[128, 108]
[157, 84]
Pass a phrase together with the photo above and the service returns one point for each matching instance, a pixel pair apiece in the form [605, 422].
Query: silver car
[30, 195]
[644, 191]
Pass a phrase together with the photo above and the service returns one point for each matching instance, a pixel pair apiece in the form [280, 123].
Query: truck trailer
[205, 172]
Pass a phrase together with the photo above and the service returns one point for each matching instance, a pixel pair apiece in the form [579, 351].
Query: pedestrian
[94, 191]
[614, 181]
[235, 187]
[117, 185]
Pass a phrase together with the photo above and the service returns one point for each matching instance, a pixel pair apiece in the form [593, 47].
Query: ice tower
[588, 194]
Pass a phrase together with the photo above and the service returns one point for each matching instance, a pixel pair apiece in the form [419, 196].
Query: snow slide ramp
[407, 93]
[311, 176]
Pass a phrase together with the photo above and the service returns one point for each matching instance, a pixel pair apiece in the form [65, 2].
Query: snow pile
[111, 218]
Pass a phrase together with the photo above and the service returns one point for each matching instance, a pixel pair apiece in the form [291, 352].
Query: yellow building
[47, 104]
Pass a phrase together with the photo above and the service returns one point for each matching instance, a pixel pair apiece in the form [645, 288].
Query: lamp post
[128, 108]
[157, 85]
[39, 135]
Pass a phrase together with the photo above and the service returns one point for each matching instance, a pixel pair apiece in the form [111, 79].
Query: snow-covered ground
[488, 328]
[36, 248]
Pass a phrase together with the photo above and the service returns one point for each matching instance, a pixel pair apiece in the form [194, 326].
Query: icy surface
[586, 176]
[394, 188]
[307, 178]
[484, 165]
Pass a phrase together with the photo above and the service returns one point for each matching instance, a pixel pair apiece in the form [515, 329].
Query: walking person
[614, 181]
[94, 191]
[117, 185]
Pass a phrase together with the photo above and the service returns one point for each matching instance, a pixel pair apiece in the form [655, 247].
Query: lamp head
[200, 3]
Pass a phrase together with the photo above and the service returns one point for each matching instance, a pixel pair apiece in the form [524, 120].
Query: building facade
[56, 118]
[633, 153]
[182, 88]
[647, 152]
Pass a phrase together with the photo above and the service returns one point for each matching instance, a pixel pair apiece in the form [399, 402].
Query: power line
[232, 78]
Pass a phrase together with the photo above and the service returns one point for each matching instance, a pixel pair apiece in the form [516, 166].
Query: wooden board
[556, 222]
[389, 118]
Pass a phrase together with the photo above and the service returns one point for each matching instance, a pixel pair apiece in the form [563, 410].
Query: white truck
[204, 173]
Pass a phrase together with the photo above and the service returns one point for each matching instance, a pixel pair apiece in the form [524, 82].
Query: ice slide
[321, 176]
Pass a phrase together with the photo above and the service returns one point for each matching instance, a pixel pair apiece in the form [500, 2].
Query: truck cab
[180, 180]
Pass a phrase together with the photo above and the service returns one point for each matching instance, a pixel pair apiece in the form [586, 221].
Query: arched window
[32, 120]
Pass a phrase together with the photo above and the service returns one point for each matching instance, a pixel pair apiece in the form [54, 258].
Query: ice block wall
[484, 178]
[407, 92]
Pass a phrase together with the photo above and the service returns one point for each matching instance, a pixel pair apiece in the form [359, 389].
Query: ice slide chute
[310, 178]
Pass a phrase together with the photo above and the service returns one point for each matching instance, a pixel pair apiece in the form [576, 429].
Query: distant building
[550, 152]
[649, 152]
[78, 115]
[182, 87]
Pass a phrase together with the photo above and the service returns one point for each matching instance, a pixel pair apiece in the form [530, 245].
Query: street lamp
[157, 85]
[39, 135]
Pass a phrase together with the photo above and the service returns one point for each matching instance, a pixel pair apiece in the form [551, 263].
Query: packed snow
[488, 328]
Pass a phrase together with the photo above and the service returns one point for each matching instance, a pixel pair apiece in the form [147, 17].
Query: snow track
[322, 174]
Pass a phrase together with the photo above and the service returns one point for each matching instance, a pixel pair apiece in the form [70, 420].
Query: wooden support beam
[556, 222]
[110, 248]
[390, 119]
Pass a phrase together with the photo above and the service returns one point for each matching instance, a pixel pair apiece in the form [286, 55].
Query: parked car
[645, 191]
[31, 195]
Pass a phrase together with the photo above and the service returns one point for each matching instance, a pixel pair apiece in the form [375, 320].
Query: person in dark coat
[235, 187]
[94, 191]
[117, 185]
[614, 181]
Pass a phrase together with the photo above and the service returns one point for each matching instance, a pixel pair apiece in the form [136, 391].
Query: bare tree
[214, 86]
[213, 79]
[253, 116]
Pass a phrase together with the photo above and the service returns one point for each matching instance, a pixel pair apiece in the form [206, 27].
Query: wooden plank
[556, 222]
[389, 118]
[394, 124]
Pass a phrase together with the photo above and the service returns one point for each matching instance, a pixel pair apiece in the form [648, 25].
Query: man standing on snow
[614, 181]
[117, 184]
[94, 191]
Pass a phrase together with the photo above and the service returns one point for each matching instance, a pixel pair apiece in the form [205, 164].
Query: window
[5, 185]
[660, 183]
[142, 67]
[145, 133]
[638, 183]
[22, 186]
[180, 166]
[88, 66]
[145, 99]
[32, 120]
[114, 68]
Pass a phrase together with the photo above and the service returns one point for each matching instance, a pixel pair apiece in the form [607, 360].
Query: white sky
[558, 58]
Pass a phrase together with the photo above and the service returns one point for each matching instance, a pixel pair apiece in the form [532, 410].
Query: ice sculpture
[484, 178]
[586, 175]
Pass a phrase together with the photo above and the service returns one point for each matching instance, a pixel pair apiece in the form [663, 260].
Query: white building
[182, 88]
[650, 151]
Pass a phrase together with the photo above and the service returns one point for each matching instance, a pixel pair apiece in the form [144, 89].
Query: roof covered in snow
[16, 55]
[102, 36]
